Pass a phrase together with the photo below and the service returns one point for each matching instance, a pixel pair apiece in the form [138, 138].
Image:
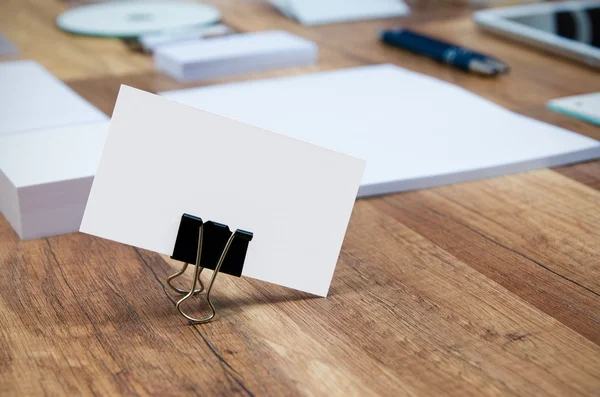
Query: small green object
[583, 107]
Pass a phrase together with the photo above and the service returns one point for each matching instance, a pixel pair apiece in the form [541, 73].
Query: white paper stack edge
[318, 12]
[46, 176]
[234, 54]
[50, 145]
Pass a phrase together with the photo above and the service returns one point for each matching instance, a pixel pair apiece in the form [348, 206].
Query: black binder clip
[208, 245]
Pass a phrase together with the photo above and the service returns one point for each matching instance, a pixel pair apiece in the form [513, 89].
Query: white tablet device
[569, 28]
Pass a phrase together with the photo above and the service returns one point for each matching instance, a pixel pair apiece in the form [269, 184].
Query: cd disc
[133, 18]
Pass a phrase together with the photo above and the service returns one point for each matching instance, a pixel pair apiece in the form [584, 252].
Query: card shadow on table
[231, 295]
[238, 295]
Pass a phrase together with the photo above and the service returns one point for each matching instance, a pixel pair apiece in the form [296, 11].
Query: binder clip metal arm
[209, 245]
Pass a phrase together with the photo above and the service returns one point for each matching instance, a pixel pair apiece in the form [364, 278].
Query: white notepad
[234, 54]
[163, 159]
[414, 131]
[31, 98]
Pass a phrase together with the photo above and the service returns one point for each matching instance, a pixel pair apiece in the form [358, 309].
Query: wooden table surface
[483, 288]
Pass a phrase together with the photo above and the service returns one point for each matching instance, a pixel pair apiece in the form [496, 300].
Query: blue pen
[441, 51]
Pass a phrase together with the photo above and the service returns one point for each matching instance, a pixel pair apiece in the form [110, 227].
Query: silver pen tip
[482, 67]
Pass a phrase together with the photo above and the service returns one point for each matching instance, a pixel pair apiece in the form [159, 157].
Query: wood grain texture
[484, 288]
[586, 173]
[30, 25]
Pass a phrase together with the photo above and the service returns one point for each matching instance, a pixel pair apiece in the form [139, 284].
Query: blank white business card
[162, 159]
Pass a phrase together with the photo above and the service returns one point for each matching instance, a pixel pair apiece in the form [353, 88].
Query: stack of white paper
[316, 12]
[50, 145]
[414, 131]
[31, 98]
[234, 54]
[46, 176]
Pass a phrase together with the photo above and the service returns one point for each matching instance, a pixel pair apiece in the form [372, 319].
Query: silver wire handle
[179, 273]
[193, 290]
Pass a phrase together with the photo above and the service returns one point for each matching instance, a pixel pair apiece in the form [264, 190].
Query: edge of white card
[543, 145]
[317, 12]
[95, 224]
[9, 202]
[380, 189]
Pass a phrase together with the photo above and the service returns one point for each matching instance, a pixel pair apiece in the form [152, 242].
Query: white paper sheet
[162, 159]
[415, 131]
[31, 99]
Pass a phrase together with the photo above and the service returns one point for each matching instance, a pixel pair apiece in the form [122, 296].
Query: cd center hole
[139, 16]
